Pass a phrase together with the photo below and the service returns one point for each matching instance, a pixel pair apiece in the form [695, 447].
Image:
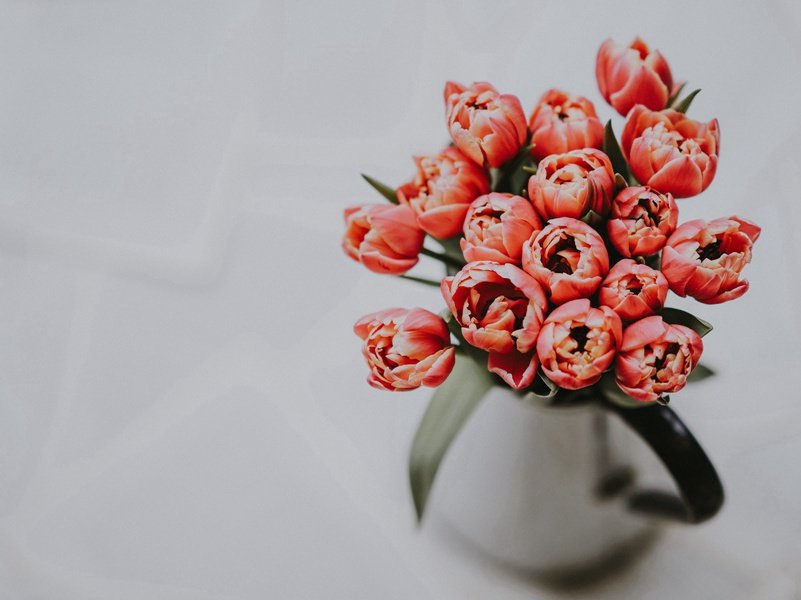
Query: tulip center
[634, 286]
[668, 355]
[710, 251]
[580, 334]
[564, 258]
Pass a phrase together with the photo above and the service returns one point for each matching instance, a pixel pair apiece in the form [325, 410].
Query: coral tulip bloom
[384, 238]
[405, 348]
[569, 185]
[441, 191]
[705, 260]
[633, 74]
[568, 258]
[577, 343]
[487, 126]
[655, 358]
[669, 152]
[500, 309]
[561, 123]
[496, 227]
[633, 290]
[642, 219]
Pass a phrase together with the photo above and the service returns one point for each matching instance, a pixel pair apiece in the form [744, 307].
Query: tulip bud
[487, 126]
[561, 123]
[568, 258]
[496, 227]
[569, 185]
[642, 219]
[633, 74]
[405, 348]
[384, 238]
[669, 152]
[633, 291]
[655, 358]
[442, 190]
[577, 343]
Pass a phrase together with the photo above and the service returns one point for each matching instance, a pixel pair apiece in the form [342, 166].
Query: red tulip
[568, 258]
[384, 238]
[577, 343]
[633, 74]
[487, 126]
[669, 152]
[705, 260]
[655, 358]
[642, 219]
[405, 348]
[441, 191]
[568, 185]
[500, 309]
[560, 123]
[633, 290]
[496, 227]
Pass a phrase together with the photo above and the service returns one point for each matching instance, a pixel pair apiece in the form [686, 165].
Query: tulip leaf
[542, 387]
[674, 316]
[382, 189]
[612, 150]
[699, 373]
[532, 170]
[620, 182]
[614, 394]
[452, 404]
[685, 104]
[672, 100]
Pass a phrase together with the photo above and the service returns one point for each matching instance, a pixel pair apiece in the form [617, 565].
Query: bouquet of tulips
[560, 244]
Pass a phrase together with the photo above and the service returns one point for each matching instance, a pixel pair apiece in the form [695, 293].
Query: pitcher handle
[700, 490]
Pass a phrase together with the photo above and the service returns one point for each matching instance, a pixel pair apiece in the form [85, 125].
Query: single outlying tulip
[561, 123]
[570, 184]
[500, 309]
[405, 348]
[384, 238]
[633, 290]
[443, 187]
[568, 258]
[487, 126]
[655, 358]
[633, 74]
[669, 152]
[496, 227]
[577, 343]
[642, 219]
[705, 260]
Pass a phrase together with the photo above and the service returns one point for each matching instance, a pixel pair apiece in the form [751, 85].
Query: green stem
[444, 258]
[430, 282]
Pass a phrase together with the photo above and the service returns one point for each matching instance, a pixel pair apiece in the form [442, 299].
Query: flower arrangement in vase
[560, 245]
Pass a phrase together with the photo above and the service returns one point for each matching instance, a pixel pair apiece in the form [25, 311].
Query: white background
[183, 412]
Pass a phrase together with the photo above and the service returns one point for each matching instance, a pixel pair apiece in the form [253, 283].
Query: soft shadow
[581, 577]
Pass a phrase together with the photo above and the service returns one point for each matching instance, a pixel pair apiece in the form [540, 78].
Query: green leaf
[699, 373]
[672, 100]
[620, 182]
[452, 404]
[532, 170]
[382, 189]
[613, 151]
[542, 387]
[612, 392]
[674, 316]
[685, 104]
